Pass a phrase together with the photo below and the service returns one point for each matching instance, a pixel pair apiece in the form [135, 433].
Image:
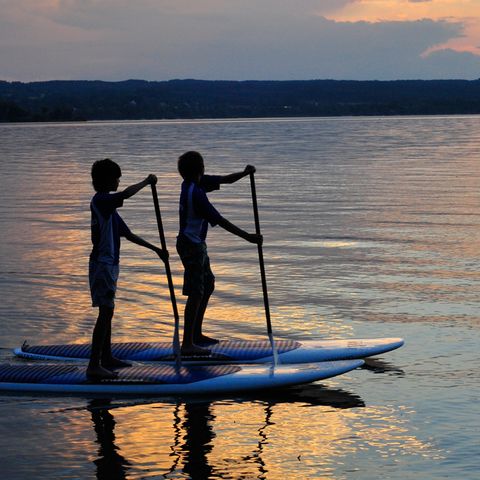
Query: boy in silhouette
[107, 228]
[196, 212]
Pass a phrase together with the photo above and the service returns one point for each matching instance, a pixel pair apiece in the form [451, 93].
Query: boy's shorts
[103, 283]
[198, 278]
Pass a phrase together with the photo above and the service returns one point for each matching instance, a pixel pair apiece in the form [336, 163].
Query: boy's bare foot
[100, 373]
[204, 340]
[194, 350]
[115, 363]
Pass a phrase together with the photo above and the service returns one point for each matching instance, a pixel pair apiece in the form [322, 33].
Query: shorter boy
[107, 228]
[196, 212]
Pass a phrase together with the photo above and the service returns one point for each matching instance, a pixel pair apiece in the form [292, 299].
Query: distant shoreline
[66, 101]
[181, 121]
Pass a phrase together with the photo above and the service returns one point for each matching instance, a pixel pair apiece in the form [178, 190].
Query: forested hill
[137, 99]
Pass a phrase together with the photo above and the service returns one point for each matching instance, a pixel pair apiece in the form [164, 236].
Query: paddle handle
[262, 269]
[161, 233]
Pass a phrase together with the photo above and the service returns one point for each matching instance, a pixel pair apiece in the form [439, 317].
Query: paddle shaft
[262, 269]
[176, 336]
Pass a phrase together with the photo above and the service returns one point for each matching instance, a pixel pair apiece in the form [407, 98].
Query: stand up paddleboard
[167, 379]
[226, 351]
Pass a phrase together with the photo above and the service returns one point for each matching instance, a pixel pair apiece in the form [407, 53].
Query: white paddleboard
[167, 379]
[226, 351]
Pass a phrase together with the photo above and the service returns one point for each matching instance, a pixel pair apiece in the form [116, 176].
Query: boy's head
[105, 175]
[191, 166]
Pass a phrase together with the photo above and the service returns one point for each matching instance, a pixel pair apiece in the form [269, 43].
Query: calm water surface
[371, 229]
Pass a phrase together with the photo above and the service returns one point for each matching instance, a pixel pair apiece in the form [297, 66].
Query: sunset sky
[239, 39]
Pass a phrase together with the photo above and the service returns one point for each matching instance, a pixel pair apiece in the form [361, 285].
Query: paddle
[262, 270]
[176, 335]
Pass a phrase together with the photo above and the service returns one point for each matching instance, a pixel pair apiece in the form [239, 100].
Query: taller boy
[107, 228]
[196, 212]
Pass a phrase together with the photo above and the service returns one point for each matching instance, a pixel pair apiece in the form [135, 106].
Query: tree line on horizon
[189, 99]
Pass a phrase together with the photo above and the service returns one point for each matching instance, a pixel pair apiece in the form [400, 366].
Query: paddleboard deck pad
[167, 379]
[226, 351]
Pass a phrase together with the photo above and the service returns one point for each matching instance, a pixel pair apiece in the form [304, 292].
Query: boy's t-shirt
[107, 227]
[196, 211]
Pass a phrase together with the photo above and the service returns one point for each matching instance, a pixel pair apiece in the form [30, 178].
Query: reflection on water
[376, 365]
[371, 229]
[110, 463]
[196, 434]
[208, 437]
[316, 427]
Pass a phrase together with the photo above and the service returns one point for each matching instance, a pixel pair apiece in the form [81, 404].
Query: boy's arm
[133, 189]
[249, 237]
[234, 177]
[163, 254]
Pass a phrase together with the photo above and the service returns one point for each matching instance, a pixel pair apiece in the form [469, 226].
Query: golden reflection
[144, 436]
[384, 429]
[251, 439]
[110, 462]
[59, 276]
[329, 243]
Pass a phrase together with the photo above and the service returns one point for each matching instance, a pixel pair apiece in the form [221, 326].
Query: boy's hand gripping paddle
[262, 271]
[176, 335]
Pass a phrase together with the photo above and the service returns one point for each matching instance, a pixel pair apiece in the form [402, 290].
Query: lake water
[372, 229]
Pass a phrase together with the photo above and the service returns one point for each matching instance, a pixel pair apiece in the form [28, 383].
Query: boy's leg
[191, 311]
[103, 284]
[208, 287]
[107, 359]
[102, 326]
[192, 257]
[197, 286]
[198, 337]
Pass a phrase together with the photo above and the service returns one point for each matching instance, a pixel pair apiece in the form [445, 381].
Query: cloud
[448, 63]
[321, 48]
[219, 39]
